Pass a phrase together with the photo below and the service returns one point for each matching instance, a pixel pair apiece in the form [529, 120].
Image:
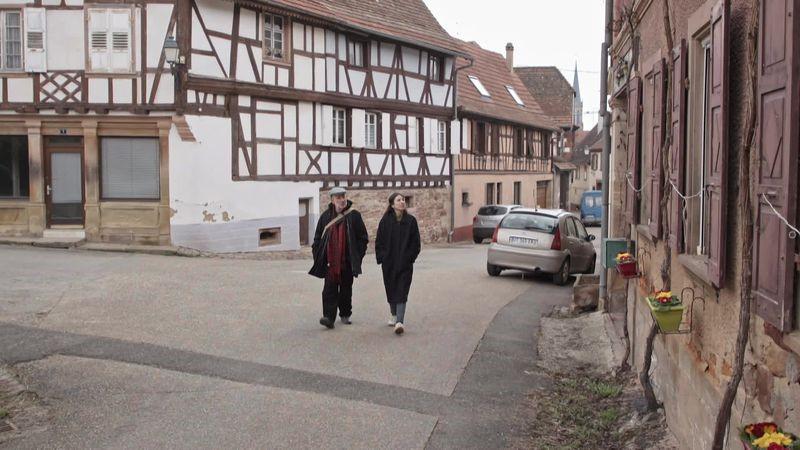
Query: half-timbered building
[286, 99]
[505, 140]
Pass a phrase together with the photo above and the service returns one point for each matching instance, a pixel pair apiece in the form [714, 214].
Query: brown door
[541, 194]
[63, 178]
[304, 224]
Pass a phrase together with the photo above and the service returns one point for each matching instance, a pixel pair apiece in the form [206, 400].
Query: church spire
[575, 84]
[577, 103]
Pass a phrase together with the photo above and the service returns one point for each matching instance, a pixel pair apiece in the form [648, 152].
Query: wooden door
[305, 206]
[64, 180]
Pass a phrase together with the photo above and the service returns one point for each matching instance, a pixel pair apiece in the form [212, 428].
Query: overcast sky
[544, 33]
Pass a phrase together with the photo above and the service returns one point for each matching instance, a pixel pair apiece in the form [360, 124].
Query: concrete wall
[690, 371]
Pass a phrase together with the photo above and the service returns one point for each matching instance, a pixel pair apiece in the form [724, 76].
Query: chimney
[510, 55]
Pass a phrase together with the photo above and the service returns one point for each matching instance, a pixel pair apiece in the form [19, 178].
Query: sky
[544, 33]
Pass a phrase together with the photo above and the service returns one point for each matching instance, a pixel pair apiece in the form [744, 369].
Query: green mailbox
[613, 246]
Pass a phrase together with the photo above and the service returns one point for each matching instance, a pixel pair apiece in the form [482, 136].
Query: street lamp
[172, 52]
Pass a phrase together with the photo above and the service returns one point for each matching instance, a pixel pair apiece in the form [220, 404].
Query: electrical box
[613, 246]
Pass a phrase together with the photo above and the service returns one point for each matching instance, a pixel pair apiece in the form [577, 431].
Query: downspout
[605, 117]
[452, 163]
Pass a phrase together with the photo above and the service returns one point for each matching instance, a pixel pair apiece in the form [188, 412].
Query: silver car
[550, 241]
[488, 218]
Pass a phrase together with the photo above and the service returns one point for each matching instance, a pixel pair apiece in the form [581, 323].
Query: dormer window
[435, 68]
[356, 52]
[274, 33]
[479, 86]
[514, 95]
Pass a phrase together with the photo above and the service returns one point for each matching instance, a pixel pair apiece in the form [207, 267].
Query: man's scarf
[337, 243]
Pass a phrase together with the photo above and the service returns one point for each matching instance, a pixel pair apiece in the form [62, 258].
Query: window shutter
[633, 147]
[455, 138]
[327, 125]
[358, 132]
[717, 157]
[776, 177]
[120, 26]
[379, 131]
[656, 147]
[35, 40]
[677, 170]
[98, 40]
[413, 135]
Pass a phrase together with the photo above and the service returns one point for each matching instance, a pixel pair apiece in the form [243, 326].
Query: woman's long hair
[391, 202]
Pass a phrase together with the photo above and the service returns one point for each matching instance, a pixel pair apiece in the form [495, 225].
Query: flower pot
[628, 269]
[668, 318]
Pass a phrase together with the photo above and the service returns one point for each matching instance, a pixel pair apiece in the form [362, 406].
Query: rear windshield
[591, 200]
[530, 222]
[492, 211]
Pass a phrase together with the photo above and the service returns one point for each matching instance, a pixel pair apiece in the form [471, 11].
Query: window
[479, 86]
[339, 126]
[517, 192]
[520, 143]
[409, 201]
[479, 146]
[499, 190]
[269, 236]
[356, 51]
[465, 199]
[14, 166]
[130, 168]
[489, 194]
[11, 39]
[514, 95]
[492, 210]
[531, 222]
[110, 40]
[435, 69]
[697, 220]
[582, 234]
[371, 130]
[441, 137]
[274, 36]
[572, 231]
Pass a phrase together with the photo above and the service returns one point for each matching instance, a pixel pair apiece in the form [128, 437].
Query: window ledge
[697, 266]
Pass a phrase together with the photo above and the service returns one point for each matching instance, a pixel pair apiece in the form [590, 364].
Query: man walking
[340, 243]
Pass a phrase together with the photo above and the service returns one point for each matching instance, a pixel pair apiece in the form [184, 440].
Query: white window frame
[356, 53]
[479, 86]
[441, 137]
[4, 66]
[270, 35]
[435, 62]
[111, 40]
[513, 93]
[371, 130]
[339, 134]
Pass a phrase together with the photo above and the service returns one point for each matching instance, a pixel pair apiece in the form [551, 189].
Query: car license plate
[522, 240]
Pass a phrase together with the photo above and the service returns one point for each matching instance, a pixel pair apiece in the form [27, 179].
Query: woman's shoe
[398, 328]
[392, 321]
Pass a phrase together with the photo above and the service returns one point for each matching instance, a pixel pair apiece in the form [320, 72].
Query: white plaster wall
[455, 137]
[415, 88]
[283, 77]
[157, 26]
[411, 59]
[20, 90]
[466, 134]
[330, 70]
[357, 79]
[319, 40]
[306, 122]
[302, 72]
[244, 69]
[123, 90]
[217, 15]
[65, 40]
[98, 90]
[298, 32]
[387, 54]
[319, 74]
[385, 128]
[223, 48]
[330, 42]
[248, 23]
[200, 180]
[359, 118]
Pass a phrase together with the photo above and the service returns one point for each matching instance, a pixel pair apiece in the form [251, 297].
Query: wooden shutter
[120, 25]
[656, 143]
[327, 125]
[776, 177]
[677, 169]
[358, 132]
[98, 57]
[633, 148]
[717, 156]
[413, 135]
[35, 40]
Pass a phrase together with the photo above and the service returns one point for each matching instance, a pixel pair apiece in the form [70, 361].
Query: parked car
[486, 221]
[591, 207]
[550, 241]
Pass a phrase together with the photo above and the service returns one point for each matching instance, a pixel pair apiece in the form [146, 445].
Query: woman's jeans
[399, 310]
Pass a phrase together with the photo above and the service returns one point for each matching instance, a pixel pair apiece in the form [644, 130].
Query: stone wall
[431, 207]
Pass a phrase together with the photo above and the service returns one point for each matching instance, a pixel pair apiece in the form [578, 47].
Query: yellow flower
[772, 438]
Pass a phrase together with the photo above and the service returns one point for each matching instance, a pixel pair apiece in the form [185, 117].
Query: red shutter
[776, 177]
[717, 156]
[656, 178]
[633, 148]
[677, 163]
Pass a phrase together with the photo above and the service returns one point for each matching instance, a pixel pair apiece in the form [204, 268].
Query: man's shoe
[345, 320]
[398, 328]
[392, 321]
[328, 323]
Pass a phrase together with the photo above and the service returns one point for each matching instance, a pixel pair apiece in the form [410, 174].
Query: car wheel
[477, 240]
[562, 276]
[493, 270]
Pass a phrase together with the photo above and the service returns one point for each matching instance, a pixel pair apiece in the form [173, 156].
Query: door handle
[48, 189]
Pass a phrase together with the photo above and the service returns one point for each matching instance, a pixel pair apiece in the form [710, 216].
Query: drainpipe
[452, 165]
[606, 118]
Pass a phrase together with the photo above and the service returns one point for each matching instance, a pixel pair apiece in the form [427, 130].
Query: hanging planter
[767, 435]
[667, 310]
[626, 265]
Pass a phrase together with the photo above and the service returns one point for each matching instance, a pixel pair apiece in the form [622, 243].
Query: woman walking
[396, 248]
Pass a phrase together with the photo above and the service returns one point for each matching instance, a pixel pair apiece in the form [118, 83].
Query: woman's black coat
[396, 248]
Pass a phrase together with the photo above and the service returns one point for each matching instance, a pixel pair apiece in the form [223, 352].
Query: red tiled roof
[406, 20]
[493, 72]
[593, 140]
[552, 90]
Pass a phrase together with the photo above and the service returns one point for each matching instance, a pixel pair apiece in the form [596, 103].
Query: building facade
[702, 233]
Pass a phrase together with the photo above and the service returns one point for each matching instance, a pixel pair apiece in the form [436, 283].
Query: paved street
[133, 351]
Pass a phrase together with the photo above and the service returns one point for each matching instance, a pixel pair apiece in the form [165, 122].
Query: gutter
[452, 165]
[606, 166]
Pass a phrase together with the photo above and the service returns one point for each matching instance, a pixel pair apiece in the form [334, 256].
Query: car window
[530, 222]
[571, 231]
[492, 211]
[581, 230]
